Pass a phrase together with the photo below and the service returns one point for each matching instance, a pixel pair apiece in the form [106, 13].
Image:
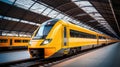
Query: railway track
[36, 62]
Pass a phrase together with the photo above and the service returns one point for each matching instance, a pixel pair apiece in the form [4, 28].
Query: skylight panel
[53, 13]
[88, 8]
[60, 16]
[46, 11]
[38, 8]
[24, 3]
[18, 20]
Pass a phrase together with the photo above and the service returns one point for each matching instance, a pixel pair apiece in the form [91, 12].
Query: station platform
[108, 56]
[13, 56]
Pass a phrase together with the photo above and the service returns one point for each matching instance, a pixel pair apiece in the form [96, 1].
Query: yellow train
[56, 37]
[13, 42]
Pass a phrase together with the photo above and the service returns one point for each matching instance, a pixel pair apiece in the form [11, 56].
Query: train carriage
[13, 42]
[56, 37]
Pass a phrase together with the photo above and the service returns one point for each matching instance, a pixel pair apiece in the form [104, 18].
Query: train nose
[41, 52]
[37, 53]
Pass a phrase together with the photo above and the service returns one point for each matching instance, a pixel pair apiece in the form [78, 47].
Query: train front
[40, 44]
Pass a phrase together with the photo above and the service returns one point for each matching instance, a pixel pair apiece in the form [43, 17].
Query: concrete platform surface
[108, 56]
[14, 56]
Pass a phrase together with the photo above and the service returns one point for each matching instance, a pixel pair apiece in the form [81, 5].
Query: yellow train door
[10, 42]
[65, 37]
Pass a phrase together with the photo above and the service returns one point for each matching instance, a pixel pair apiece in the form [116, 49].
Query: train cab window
[3, 40]
[18, 41]
[45, 29]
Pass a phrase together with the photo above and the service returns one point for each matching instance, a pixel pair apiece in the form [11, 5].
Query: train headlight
[46, 41]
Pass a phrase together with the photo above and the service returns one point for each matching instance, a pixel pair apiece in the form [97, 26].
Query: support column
[0, 33]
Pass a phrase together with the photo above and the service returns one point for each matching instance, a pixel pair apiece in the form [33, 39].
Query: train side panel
[19, 41]
[11, 41]
[4, 41]
[76, 42]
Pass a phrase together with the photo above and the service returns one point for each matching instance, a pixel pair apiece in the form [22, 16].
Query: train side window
[71, 33]
[79, 34]
[25, 41]
[17, 41]
[101, 37]
[3, 40]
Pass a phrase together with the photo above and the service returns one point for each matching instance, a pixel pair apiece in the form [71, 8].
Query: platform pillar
[0, 33]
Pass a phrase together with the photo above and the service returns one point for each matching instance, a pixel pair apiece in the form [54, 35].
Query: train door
[65, 37]
[65, 40]
[97, 39]
[106, 40]
[10, 42]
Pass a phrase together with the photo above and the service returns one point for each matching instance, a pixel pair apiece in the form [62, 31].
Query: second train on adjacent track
[13, 42]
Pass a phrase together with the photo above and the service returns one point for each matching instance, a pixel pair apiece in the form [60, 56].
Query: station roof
[12, 16]
[26, 17]
[104, 7]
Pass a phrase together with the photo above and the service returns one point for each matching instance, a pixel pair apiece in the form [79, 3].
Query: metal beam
[0, 33]
[114, 15]
[103, 1]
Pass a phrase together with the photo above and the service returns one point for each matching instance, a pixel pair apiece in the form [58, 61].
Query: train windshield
[45, 29]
